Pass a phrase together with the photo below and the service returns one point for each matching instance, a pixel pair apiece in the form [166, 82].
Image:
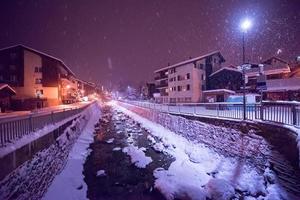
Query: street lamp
[245, 26]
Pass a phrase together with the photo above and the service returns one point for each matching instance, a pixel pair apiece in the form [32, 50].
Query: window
[179, 78]
[188, 76]
[38, 81]
[178, 88]
[13, 78]
[38, 69]
[188, 87]
[13, 56]
[188, 99]
[203, 87]
[12, 67]
[172, 71]
[39, 91]
[200, 66]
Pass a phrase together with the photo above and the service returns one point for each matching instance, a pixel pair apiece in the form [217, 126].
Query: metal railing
[14, 128]
[284, 113]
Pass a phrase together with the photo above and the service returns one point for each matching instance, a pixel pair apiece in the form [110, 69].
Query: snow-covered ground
[199, 172]
[71, 178]
[14, 145]
[137, 156]
[31, 179]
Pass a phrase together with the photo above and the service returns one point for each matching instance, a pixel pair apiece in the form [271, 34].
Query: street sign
[261, 82]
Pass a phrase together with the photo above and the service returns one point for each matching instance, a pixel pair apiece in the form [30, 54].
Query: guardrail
[14, 128]
[284, 113]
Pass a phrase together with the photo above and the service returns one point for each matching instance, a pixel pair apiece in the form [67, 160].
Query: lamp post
[245, 26]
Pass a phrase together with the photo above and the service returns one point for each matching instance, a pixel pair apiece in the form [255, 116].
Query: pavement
[45, 110]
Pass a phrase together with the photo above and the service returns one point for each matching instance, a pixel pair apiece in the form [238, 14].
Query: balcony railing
[162, 85]
[161, 77]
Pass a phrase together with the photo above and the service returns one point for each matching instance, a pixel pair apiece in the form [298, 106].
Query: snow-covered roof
[269, 69]
[3, 86]
[219, 91]
[269, 60]
[191, 60]
[41, 53]
[225, 68]
[288, 84]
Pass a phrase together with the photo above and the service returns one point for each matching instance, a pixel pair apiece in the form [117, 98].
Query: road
[42, 111]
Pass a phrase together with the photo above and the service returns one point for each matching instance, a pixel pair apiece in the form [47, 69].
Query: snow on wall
[31, 179]
[229, 141]
[199, 172]
[71, 177]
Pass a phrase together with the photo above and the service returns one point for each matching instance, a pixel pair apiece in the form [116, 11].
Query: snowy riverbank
[71, 177]
[199, 172]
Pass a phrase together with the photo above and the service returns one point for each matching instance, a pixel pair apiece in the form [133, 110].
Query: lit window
[38, 81]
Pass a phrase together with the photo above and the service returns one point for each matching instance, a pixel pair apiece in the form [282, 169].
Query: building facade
[35, 76]
[184, 82]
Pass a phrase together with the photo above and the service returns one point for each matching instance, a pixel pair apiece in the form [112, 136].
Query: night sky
[124, 41]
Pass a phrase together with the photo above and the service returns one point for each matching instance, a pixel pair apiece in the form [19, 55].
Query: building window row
[172, 79]
[186, 77]
[172, 71]
[183, 88]
[199, 66]
[184, 100]
[38, 69]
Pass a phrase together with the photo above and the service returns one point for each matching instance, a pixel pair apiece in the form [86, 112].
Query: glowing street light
[68, 86]
[245, 26]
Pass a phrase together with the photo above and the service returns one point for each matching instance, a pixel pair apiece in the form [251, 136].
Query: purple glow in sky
[124, 41]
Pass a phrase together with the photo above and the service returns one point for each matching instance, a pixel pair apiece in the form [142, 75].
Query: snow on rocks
[117, 149]
[151, 139]
[181, 180]
[109, 141]
[159, 147]
[137, 156]
[101, 173]
[198, 171]
[71, 177]
[219, 189]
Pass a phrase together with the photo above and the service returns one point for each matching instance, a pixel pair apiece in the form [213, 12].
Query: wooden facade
[225, 78]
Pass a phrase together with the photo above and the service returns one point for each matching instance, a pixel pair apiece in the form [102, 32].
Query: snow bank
[117, 149]
[109, 141]
[198, 172]
[32, 137]
[101, 173]
[137, 156]
[69, 184]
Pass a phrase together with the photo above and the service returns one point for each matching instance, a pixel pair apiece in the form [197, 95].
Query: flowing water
[122, 179]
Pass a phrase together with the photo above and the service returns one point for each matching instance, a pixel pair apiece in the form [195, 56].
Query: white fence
[285, 113]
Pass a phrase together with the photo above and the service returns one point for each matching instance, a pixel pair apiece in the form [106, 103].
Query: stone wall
[45, 157]
[258, 144]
